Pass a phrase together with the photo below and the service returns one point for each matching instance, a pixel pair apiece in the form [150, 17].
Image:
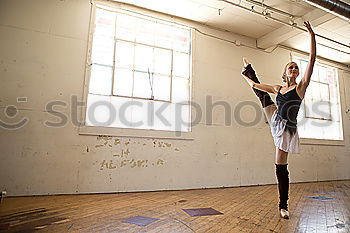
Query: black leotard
[288, 107]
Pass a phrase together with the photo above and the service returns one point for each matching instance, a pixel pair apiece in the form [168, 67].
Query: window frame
[312, 100]
[341, 97]
[84, 129]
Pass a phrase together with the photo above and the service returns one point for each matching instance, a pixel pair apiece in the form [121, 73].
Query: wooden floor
[245, 209]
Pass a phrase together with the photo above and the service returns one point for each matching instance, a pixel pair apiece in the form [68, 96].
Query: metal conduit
[336, 7]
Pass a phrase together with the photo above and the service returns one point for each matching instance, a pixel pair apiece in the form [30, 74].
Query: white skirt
[283, 138]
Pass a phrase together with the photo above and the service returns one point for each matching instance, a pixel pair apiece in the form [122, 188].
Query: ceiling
[266, 31]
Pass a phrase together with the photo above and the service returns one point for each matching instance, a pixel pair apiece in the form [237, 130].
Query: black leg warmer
[283, 185]
[263, 96]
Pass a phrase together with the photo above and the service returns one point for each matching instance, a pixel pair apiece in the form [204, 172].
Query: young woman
[282, 119]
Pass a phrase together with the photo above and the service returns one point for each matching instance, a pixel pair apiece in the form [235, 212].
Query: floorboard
[245, 209]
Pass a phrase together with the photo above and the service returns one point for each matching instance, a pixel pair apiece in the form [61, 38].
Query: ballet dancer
[283, 117]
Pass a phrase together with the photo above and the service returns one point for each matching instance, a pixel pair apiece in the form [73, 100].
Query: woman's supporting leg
[282, 173]
[283, 180]
[281, 157]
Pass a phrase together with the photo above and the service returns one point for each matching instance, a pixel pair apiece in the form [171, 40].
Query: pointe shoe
[284, 214]
[245, 62]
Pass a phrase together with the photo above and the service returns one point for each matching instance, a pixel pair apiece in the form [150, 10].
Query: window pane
[308, 93]
[323, 110]
[315, 90]
[100, 80]
[104, 23]
[300, 70]
[333, 131]
[161, 87]
[162, 61]
[303, 66]
[123, 109]
[335, 112]
[182, 117]
[124, 55]
[323, 74]
[143, 58]
[181, 65]
[126, 27]
[324, 92]
[181, 40]
[142, 86]
[163, 35]
[312, 109]
[145, 32]
[314, 76]
[141, 115]
[308, 107]
[301, 113]
[312, 130]
[333, 93]
[331, 76]
[98, 110]
[165, 120]
[102, 50]
[180, 90]
[123, 82]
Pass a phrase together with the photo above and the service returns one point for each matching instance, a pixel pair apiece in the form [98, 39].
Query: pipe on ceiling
[336, 7]
[286, 23]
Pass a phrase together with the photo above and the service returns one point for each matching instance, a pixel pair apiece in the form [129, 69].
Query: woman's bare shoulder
[277, 88]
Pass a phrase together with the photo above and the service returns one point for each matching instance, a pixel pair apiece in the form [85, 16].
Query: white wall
[43, 47]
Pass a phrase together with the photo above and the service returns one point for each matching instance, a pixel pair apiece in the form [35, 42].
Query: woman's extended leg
[268, 105]
[283, 180]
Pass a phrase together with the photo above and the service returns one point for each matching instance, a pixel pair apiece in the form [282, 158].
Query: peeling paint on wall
[125, 152]
[160, 162]
[132, 163]
[164, 144]
[108, 165]
[121, 152]
[105, 138]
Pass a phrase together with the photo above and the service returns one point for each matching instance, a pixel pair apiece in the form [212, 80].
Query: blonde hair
[284, 76]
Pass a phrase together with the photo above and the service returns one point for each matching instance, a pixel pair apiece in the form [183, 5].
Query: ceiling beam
[316, 18]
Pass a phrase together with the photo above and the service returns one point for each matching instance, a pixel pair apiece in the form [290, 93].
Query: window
[320, 113]
[140, 72]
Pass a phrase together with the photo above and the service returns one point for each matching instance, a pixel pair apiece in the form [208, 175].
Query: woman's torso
[288, 105]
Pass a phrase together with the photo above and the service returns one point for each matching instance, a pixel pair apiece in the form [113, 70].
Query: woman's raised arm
[304, 82]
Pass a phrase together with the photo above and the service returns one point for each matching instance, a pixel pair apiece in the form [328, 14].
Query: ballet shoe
[245, 62]
[284, 214]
